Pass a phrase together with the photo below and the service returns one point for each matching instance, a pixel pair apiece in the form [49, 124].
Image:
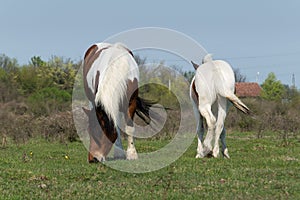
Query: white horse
[211, 91]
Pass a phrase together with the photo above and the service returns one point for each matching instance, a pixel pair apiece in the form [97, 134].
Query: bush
[20, 126]
[282, 118]
[14, 122]
[49, 100]
[58, 126]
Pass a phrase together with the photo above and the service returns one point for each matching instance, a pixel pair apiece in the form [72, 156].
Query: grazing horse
[211, 91]
[110, 76]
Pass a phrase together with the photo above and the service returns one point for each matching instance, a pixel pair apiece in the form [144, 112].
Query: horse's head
[101, 140]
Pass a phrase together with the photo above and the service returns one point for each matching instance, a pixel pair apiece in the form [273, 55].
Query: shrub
[58, 126]
[19, 126]
[49, 100]
[282, 118]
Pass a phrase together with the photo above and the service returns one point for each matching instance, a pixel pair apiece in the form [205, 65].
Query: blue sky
[254, 36]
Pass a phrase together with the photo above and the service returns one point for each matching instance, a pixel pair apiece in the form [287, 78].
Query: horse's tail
[207, 58]
[143, 110]
[238, 103]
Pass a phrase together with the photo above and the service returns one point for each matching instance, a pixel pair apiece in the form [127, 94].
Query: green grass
[267, 168]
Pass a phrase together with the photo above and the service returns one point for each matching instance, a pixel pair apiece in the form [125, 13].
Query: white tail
[207, 58]
[238, 103]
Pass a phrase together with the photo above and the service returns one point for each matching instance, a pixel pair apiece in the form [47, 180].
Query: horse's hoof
[225, 153]
[210, 154]
[206, 151]
[199, 155]
[131, 154]
[96, 160]
[215, 155]
[132, 157]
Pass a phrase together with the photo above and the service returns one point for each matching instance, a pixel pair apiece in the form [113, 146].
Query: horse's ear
[195, 65]
[86, 111]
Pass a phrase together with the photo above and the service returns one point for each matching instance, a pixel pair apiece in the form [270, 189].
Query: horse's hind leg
[129, 128]
[200, 128]
[211, 123]
[223, 135]
[220, 124]
[200, 133]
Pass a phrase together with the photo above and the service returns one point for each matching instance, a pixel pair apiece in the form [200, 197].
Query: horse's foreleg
[118, 147]
[131, 151]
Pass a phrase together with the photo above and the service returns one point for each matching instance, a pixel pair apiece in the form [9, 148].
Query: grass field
[266, 168]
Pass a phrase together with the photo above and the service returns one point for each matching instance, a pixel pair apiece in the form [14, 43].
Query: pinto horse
[111, 76]
[211, 91]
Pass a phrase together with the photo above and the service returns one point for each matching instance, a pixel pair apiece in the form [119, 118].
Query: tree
[273, 89]
[139, 60]
[62, 72]
[36, 61]
[27, 80]
[8, 73]
[189, 75]
[238, 76]
[10, 65]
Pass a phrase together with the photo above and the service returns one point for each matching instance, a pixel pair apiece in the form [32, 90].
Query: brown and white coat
[111, 76]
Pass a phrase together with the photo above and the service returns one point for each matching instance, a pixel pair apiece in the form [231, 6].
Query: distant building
[245, 89]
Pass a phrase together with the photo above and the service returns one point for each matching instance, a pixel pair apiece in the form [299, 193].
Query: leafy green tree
[63, 72]
[36, 61]
[27, 80]
[10, 65]
[3, 85]
[33, 77]
[8, 74]
[189, 75]
[57, 72]
[273, 89]
[293, 96]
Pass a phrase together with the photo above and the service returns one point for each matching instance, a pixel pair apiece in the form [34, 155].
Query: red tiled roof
[244, 89]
